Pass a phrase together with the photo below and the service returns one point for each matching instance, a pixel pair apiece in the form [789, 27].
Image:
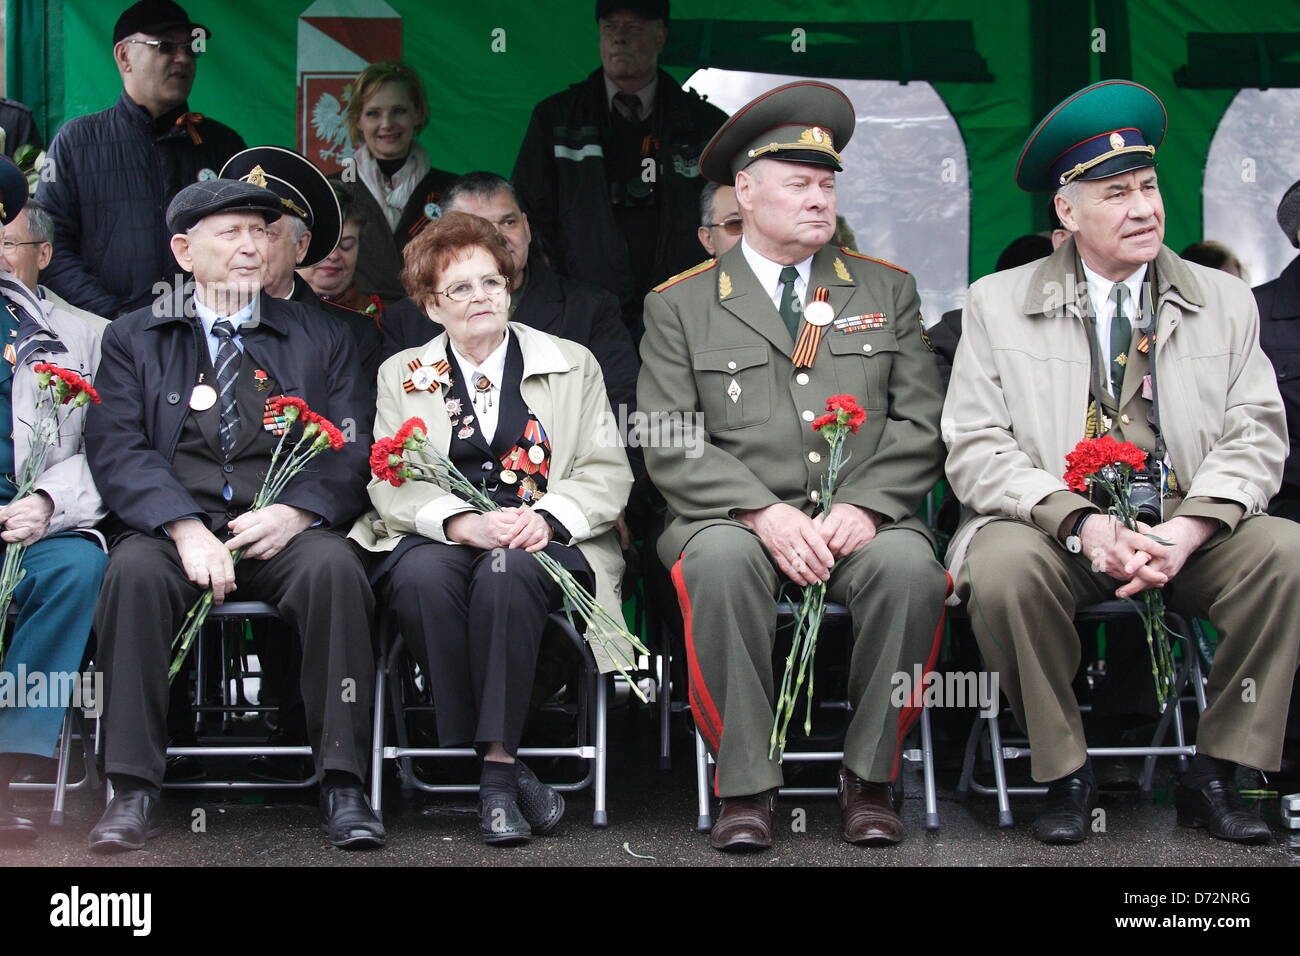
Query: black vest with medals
[518, 431]
[200, 464]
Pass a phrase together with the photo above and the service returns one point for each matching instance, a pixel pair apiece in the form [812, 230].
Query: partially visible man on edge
[114, 172]
[1114, 334]
[306, 233]
[609, 169]
[28, 246]
[63, 559]
[720, 222]
[183, 418]
[539, 298]
[720, 343]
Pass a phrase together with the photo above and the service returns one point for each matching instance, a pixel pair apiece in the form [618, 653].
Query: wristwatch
[1073, 543]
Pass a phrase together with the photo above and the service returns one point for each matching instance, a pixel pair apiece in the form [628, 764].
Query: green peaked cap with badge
[303, 191]
[1109, 128]
[801, 122]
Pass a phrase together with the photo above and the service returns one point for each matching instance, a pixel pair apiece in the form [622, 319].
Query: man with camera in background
[1115, 335]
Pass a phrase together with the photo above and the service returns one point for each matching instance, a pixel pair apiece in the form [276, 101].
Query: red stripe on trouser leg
[913, 710]
[702, 706]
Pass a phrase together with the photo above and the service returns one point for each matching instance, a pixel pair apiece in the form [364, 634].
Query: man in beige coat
[1115, 334]
[720, 358]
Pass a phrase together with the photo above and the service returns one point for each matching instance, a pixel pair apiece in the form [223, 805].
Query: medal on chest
[817, 314]
[203, 397]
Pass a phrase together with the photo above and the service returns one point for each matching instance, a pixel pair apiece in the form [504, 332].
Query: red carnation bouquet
[845, 416]
[316, 434]
[389, 462]
[1108, 465]
[58, 392]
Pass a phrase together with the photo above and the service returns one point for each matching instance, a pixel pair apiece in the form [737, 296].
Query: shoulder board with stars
[884, 262]
[704, 266]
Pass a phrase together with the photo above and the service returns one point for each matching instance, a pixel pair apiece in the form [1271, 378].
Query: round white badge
[818, 313]
[422, 377]
[205, 174]
[536, 455]
[432, 211]
[203, 397]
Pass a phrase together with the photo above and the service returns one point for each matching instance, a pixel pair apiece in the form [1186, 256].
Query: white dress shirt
[1103, 306]
[769, 274]
[487, 404]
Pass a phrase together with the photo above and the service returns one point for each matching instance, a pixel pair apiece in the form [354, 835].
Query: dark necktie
[629, 104]
[227, 372]
[790, 305]
[1121, 336]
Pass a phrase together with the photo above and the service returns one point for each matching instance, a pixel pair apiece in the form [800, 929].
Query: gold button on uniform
[814, 457]
[808, 416]
[731, 366]
[1124, 419]
[866, 346]
[814, 495]
[801, 378]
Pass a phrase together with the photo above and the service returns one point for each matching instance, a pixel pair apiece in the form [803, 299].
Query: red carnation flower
[408, 429]
[820, 423]
[68, 385]
[1091, 456]
[853, 414]
[282, 404]
[382, 453]
[329, 431]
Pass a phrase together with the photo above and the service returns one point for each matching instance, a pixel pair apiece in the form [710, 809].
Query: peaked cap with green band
[1109, 128]
[800, 122]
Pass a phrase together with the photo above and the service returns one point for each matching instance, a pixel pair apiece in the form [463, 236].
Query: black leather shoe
[348, 820]
[540, 804]
[744, 824]
[129, 820]
[502, 823]
[1064, 818]
[1219, 807]
[16, 830]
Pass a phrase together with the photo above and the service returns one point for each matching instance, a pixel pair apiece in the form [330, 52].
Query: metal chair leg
[665, 701]
[599, 818]
[377, 743]
[1005, 818]
[61, 776]
[927, 772]
[704, 819]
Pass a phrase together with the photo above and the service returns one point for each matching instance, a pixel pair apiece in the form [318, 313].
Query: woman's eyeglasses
[462, 291]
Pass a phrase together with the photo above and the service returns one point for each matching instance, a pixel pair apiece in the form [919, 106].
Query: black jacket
[365, 334]
[147, 370]
[1279, 336]
[571, 310]
[379, 249]
[114, 174]
[20, 129]
[567, 196]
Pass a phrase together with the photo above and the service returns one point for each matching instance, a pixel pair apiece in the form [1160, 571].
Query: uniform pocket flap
[731, 359]
[863, 343]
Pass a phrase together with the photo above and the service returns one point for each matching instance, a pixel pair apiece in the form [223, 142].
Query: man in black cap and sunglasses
[114, 172]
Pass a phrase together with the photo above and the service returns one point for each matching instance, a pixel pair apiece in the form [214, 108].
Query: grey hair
[706, 202]
[1070, 192]
[480, 185]
[39, 223]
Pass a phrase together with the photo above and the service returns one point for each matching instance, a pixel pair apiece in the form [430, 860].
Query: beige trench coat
[1018, 398]
[589, 479]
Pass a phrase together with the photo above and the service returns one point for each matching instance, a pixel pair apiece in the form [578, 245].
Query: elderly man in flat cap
[115, 171]
[179, 450]
[749, 346]
[1114, 335]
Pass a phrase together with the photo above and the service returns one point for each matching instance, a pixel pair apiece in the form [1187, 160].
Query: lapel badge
[454, 406]
[203, 397]
[11, 354]
[271, 422]
[841, 272]
[260, 380]
[465, 432]
[733, 391]
[724, 285]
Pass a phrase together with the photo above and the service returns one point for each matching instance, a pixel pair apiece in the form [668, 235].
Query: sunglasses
[170, 48]
[732, 226]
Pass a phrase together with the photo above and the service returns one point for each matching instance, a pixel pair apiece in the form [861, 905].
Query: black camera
[1144, 496]
[634, 193]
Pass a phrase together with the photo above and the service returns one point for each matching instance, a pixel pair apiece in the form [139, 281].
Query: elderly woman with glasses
[524, 414]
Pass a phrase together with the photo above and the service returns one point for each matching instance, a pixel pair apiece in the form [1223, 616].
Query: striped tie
[227, 372]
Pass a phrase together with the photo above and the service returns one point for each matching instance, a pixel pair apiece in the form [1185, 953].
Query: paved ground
[652, 815]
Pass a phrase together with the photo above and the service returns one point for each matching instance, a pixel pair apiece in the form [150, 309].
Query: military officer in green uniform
[749, 347]
[1115, 334]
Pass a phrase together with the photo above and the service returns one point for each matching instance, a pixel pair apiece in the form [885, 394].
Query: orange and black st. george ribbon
[810, 336]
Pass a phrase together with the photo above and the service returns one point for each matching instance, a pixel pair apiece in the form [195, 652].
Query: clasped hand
[1139, 558]
[805, 549]
[519, 527]
[259, 535]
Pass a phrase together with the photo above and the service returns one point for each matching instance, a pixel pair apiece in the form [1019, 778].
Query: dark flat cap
[650, 9]
[209, 196]
[303, 190]
[153, 17]
[1288, 213]
[801, 122]
[13, 191]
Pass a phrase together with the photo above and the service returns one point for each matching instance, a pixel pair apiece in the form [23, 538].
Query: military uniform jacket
[716, 325]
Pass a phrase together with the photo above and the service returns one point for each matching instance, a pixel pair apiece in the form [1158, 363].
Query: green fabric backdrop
[1011, 59]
